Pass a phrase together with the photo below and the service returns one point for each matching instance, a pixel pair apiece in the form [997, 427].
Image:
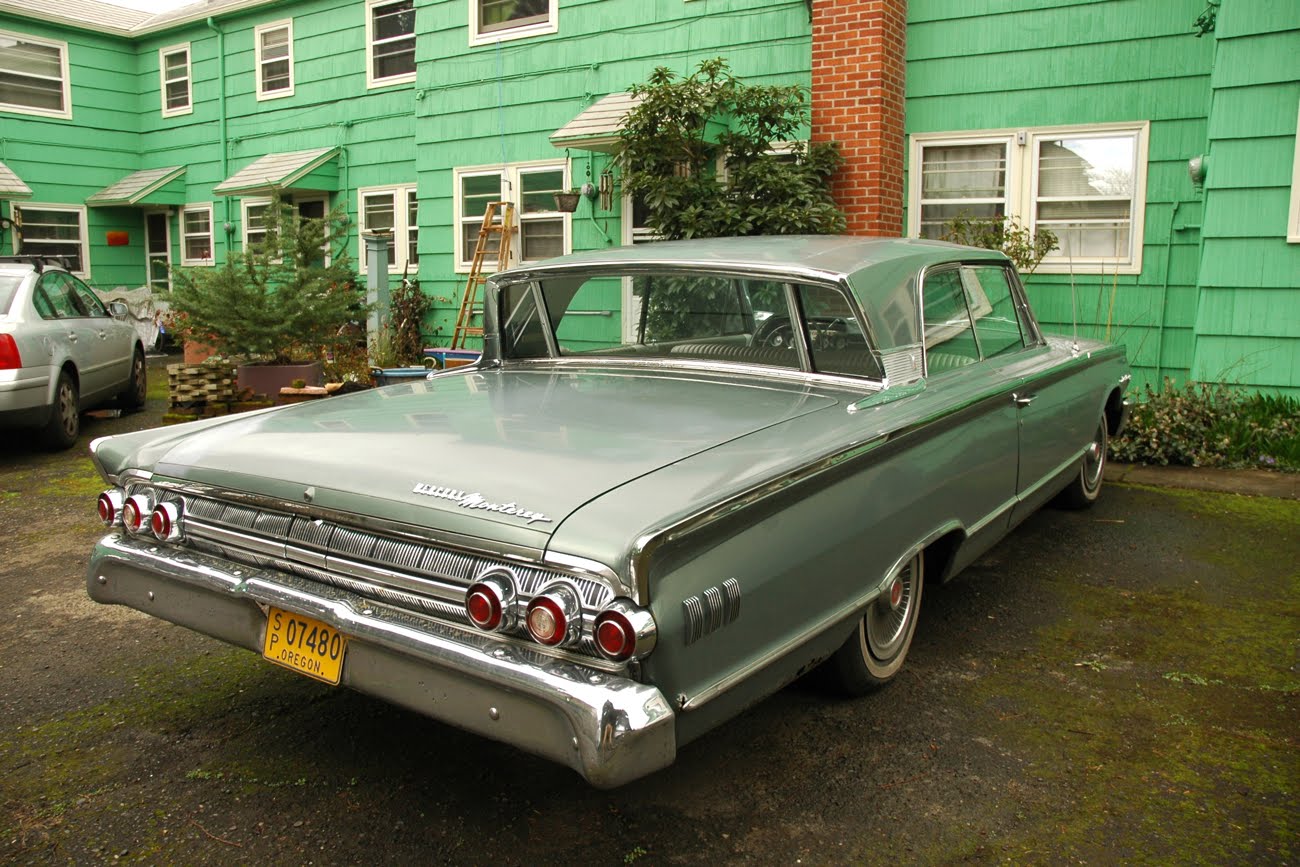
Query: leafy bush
[1026, 249]
[1204, 424]
[278, 300]
[673, 140]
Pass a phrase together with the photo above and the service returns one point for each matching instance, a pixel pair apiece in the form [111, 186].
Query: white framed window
[544, 232]
[53, 230]
[274, 43]
[174, 75]
[34, 75]
[255, 212]
[1087, 184]
[498, 20]
[390, 42]
[395, 210]
[1293, 214]
[256, 225]
[196, 234]
[158, 249]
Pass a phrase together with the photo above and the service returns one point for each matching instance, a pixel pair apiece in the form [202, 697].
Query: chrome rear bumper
[608, 728]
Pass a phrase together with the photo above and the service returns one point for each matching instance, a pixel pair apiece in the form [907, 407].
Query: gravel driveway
[1119, 684]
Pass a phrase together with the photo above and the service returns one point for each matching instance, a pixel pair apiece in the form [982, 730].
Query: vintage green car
[682, 475]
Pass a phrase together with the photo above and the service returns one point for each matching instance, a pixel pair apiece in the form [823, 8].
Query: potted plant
[279, 305]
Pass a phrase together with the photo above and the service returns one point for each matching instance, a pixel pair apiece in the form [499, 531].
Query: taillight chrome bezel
[560, 603]
[496, 591]
[635, 628]
[109, 506]
[165, 522]
[136, 511]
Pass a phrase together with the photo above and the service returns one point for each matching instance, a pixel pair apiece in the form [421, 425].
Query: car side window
[836, 338]
[949, 338]
[89, 300]
[997, 325]
[59, 293]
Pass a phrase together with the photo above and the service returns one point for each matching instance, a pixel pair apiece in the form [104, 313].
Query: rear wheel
[876, 650]
[132, 397]
[65, 416]
[1084, 490]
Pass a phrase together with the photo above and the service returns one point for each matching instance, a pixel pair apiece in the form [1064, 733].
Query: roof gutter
[222, 125]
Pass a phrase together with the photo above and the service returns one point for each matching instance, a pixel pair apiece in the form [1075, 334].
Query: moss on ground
[1168, 716]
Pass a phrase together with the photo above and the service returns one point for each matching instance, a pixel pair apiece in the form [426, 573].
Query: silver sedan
[61, 351]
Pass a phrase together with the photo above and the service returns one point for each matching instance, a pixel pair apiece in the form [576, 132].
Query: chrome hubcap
[886, 622]
[1094, 460]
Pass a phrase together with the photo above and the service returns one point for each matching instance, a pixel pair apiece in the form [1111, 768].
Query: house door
[158, 249]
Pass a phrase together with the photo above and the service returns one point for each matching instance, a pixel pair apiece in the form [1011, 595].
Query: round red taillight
[547, 622]
[614, 636]
[624, 631]
[484, 608]
[165, 521]
[134, 510]
[109, 507]
[487, 602]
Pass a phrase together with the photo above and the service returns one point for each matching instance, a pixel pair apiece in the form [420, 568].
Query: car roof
[881, 272]
[831, 255]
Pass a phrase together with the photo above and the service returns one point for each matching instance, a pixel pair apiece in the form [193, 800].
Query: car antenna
[1074, 304]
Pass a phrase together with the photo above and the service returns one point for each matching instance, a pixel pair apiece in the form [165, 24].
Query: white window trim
[212, 239]
[283, 24]
[167, 238]
[244, 206]
[1293, 213]
[189, 79]
[83, 231]
[1022, 146]
[400, 228]
[63, 71]
[511, 187]
[371, 81]
[523, 31]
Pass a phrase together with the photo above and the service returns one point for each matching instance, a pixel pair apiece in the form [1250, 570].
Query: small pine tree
[280, 300]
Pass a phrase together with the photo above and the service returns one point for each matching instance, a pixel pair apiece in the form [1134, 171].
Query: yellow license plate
[305, 645]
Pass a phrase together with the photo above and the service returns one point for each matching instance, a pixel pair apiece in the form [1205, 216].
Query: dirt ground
[1115, 685]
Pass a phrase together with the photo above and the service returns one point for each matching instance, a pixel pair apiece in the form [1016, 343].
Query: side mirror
[118, 309]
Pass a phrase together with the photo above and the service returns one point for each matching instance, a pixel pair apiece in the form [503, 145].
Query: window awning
[597, 126]
[11, 186]
[145, 187]
[309, 171]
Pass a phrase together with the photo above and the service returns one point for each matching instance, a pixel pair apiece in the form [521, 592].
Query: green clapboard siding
[1005, 64]
[500, 103]
[1248, 317]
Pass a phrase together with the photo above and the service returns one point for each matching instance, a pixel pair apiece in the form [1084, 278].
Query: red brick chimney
[858, 59]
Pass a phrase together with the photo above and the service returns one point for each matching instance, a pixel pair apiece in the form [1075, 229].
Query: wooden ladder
[470, 306]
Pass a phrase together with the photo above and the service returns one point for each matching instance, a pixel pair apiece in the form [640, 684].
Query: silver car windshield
[678, 315]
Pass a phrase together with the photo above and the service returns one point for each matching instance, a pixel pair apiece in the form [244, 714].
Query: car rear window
[8, 288]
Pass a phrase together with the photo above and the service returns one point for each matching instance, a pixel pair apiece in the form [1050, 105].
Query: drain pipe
[226, 226]
[1164, 295]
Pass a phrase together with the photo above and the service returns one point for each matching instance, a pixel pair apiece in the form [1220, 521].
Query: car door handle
[72, 336]
[1022, 399]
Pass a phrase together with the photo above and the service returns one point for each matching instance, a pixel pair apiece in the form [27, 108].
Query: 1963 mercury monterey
[681, 475]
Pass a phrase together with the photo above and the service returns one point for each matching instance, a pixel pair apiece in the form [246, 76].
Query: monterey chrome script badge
[477, 501]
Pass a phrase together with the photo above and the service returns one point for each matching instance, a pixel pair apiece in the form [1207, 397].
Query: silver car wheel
[887, 627]
[62, 429]
[1093, 465]
[876, 650]
[1085, 486]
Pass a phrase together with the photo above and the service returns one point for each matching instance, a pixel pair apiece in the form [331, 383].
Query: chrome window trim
[726, 368]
